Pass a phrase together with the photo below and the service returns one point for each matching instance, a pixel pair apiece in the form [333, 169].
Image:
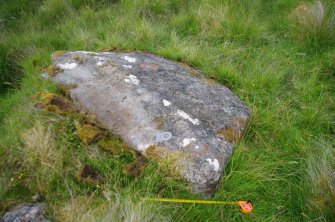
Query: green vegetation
[277, 56]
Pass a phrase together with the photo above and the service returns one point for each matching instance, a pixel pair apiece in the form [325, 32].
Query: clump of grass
[320, 178]
[39, 145]
[228, 21]
[115, 207]
[314, 23]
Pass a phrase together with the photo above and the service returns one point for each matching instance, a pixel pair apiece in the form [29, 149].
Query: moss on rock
[229, 134]
[64, 89]
[170, 162]
[53, 103]
[88, 133]
[57, 54]
[113, 145]
[52, 70]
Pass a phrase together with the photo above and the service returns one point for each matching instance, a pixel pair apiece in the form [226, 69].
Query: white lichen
[214, 163]
[129, 59]
[127, 66]
[143, 147]
[187, 141]
[166, 103]
[160, 137]
[186, 116]
[132, 79]
[68, 65]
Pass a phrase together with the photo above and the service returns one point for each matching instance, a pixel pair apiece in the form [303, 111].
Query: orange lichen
[150, 66]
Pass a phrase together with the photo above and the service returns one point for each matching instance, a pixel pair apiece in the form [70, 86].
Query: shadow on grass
[10, 71]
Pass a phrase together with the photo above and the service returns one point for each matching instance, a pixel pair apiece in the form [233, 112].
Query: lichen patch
[129, 59]
[188, 117]
[127, 66]
[143, 147]
[166, 102]
[188, 141]
[132, 79]
[68, 65]
[214, 163]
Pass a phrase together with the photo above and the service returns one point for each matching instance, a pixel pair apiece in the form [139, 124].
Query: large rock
[163, 109]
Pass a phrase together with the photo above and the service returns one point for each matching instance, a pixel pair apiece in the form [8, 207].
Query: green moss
[229, 134]
[169, 162]
[78, 59]
[52, 70]
[88, 133]
[53, 103]
[65, 89]
[159, 122]
[113, 145]
[58, 53]
[44, 97]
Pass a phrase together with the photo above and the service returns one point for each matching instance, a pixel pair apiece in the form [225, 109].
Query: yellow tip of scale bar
[188, 201]
[245, 206]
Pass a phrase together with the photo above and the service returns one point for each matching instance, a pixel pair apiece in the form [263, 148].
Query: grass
[277, 56]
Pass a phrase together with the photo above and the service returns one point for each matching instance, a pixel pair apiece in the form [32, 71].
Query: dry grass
[40, 145]
[211, 18]
[114, 209]
[314, 22]
[321, 179]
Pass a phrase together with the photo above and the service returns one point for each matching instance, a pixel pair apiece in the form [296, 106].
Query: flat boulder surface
[163, 109]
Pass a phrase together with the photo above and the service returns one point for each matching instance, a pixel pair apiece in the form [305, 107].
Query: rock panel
[158, 107]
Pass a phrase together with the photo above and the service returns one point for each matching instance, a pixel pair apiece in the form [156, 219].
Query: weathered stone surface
[159, 107]
[26, 213]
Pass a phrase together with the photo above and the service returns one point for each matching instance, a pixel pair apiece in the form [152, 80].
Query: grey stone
[160, 106]
[26, 213]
